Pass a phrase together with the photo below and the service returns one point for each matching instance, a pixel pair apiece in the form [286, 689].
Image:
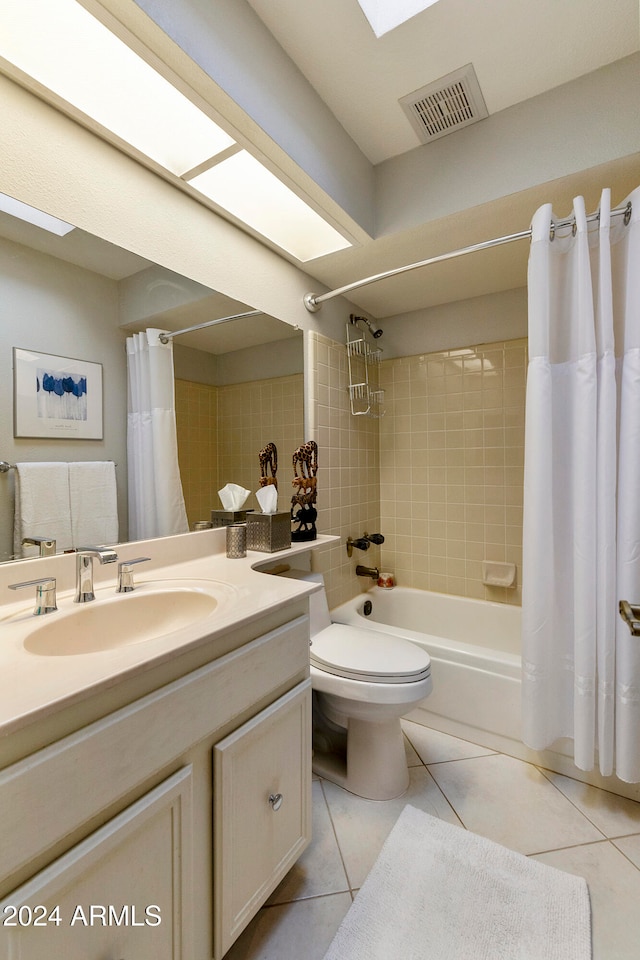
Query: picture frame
[56, 398]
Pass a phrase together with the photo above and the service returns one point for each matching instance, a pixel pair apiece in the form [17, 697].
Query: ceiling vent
[445, 105]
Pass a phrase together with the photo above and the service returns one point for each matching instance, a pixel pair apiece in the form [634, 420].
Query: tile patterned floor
[549, 817]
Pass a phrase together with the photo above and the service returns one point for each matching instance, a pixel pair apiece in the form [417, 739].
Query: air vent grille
[446, 105]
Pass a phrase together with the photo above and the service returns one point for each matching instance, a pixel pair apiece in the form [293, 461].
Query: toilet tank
[318, 605]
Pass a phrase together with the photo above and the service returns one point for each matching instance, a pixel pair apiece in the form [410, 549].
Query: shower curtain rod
[314, 301]
[166, 337]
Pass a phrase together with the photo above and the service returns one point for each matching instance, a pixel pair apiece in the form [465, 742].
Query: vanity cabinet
[262, 809]
[188, 804]
[104, 897]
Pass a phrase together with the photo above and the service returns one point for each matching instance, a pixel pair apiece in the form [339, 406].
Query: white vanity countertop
[33, 686]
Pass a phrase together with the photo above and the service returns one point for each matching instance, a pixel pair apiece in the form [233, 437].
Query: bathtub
[474, 647]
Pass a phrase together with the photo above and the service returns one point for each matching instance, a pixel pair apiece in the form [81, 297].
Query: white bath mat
[438, 892]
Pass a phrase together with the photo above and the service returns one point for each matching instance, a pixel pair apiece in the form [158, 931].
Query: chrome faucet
[84, 570]
[125, 574]
[45, 594]
[372, 572]
[46, 545]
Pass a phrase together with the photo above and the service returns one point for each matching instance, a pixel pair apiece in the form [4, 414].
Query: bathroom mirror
[239, 385]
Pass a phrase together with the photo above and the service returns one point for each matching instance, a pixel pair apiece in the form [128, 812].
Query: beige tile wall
[451, 467]
[196, 420]
[221, 431]
[250, 415]
[348, 472]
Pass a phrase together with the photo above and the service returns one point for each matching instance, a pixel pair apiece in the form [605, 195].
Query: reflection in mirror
[239, 385]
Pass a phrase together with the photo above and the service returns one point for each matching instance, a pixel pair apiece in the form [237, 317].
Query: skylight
[244, 187]
[386, 15]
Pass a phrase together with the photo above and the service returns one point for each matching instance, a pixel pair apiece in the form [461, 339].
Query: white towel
[94, 505]
[42, 506]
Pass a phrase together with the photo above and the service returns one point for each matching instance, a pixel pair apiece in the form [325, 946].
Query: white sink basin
[120, 620]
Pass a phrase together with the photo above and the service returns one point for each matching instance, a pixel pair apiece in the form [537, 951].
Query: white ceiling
[519, 49]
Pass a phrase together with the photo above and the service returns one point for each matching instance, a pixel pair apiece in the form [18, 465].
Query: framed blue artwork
[56, 397]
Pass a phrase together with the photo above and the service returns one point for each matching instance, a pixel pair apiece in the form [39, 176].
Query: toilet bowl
[363, 682]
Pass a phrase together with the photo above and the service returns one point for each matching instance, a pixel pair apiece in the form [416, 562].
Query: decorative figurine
[268, 458]
[303, 509]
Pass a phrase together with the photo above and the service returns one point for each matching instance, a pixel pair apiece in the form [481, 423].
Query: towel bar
[5, 467]
[630, 613]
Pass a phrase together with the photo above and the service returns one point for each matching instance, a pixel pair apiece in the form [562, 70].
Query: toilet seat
[359, 654]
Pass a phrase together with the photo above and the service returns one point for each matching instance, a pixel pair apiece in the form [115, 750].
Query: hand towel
[41, 506]
[94, 505]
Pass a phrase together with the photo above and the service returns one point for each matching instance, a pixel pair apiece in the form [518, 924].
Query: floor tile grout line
[315, 896]
[335, 834]
[625, 855]
[436, 784]
[543, 772]
[570, 846]
[548, 773]
[575, 805]
[489, 750]
[482, 756]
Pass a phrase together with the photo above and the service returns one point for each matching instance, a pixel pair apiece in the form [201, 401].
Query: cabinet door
[262, 807]
[124, 892]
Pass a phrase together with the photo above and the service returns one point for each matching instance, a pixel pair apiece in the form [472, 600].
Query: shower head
[369, 324]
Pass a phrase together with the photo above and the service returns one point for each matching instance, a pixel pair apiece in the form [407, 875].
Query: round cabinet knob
[275, 799]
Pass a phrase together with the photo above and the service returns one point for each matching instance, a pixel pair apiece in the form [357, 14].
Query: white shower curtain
[156, 502]
[581, 536]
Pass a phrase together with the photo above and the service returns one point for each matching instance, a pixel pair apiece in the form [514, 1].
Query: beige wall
[221, 431]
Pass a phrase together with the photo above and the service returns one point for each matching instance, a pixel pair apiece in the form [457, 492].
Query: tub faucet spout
[372, 572]
[84, 570]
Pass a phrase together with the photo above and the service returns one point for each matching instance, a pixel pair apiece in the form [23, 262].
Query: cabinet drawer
[125, 891]
[262, 809]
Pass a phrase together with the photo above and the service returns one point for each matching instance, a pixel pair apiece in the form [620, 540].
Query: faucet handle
[125, 574]
[45, 594]
[360, 544]
[46, 545]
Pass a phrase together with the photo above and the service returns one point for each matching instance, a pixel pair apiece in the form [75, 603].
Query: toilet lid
[360, 654]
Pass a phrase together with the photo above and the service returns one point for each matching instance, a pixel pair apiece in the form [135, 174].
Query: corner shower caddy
[365, 396]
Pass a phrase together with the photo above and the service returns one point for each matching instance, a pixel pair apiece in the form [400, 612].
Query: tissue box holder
[223, 518]
[268, 532]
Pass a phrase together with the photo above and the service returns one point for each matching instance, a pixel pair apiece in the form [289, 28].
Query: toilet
[363, 682]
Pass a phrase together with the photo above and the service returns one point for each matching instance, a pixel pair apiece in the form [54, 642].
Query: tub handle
[360, 544]
[630, 613]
